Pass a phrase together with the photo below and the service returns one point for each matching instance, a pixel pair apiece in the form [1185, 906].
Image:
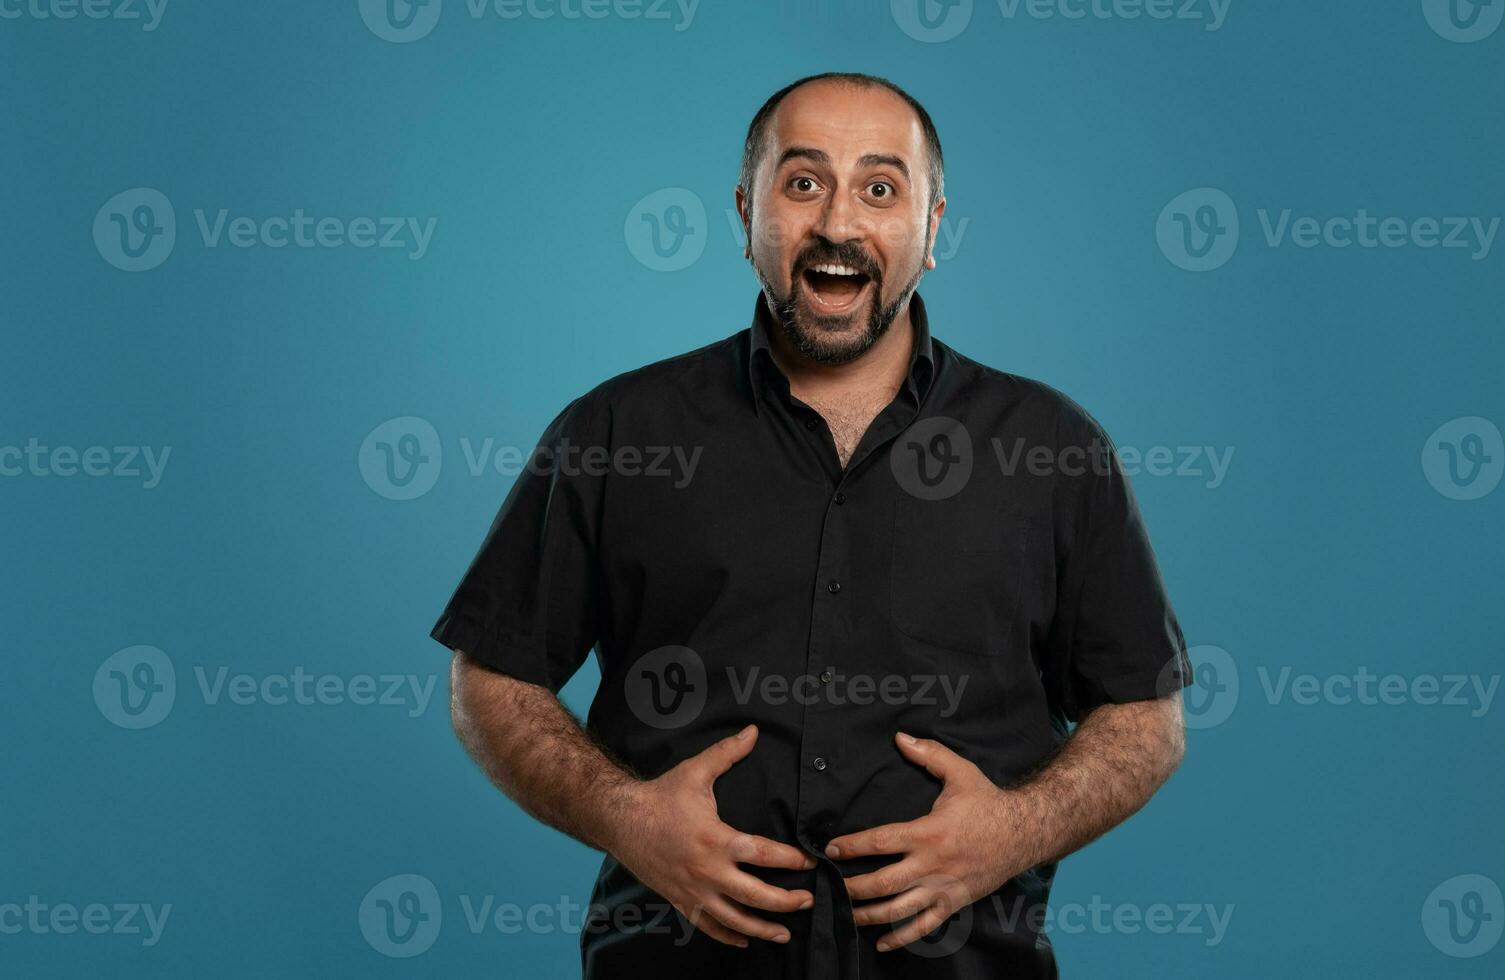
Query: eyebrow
[866, 160]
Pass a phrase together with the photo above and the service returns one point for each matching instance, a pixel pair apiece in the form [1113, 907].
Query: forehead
[846, 121]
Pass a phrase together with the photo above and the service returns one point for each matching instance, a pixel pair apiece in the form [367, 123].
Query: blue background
[263, 549]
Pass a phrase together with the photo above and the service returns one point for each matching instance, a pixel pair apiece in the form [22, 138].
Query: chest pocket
[956, 573]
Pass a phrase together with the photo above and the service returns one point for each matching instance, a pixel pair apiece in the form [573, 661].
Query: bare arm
[1110, 767]
[665, 830]
[535, 751]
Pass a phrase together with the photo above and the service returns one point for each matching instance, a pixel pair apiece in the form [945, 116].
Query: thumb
[721, 756]
[938, 760]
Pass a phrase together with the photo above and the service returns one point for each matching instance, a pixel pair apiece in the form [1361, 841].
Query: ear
[935, 226]
[744, 211]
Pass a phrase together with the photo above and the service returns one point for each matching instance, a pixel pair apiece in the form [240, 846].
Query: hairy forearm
[1110, 766]
[538, 754]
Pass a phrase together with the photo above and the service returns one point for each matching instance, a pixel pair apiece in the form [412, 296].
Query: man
[840, 637]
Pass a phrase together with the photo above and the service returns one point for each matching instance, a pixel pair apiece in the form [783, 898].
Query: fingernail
[884, 947]
[906, 739]
[742, 944]
[782, 937]
[832, 851]
[807, 903]
[745, 732]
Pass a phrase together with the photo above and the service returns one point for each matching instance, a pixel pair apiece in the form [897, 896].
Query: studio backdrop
[291, 289]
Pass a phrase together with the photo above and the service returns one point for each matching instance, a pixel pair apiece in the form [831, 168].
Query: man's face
[838, 229]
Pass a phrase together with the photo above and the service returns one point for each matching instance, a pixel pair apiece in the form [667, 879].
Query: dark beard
[806, 333]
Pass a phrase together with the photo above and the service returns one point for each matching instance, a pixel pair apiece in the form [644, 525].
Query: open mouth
[834, 288]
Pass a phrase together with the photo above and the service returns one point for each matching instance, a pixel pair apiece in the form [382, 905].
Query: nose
[841, 221]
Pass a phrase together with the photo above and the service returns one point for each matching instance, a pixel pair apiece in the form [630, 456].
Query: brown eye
[803, 184]
[881, 190]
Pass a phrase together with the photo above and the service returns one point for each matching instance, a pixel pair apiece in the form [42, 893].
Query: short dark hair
[752, 150]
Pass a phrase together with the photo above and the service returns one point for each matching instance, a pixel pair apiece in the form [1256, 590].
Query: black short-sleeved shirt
[978, 573]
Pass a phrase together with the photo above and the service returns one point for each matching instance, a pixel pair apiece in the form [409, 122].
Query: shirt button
[819, 764]
[810, 424]
[833, 586]
[840, 498]
[825, 676]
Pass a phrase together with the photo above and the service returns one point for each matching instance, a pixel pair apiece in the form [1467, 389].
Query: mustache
[848, 255]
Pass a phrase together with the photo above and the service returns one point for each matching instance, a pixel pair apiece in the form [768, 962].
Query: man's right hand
[675, 842]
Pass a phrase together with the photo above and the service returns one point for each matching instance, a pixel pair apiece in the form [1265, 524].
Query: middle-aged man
[847, 590]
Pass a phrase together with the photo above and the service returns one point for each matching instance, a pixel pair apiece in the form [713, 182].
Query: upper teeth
[836, 270]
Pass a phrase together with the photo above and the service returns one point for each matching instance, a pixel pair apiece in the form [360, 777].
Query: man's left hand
[952, 856]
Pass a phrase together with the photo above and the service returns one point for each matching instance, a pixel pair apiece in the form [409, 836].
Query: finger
[765, 853]
[939, 761]
[896, 909]
[922, 925]
[753, 891]
[748, 925]
[720, 756]
[703, 921]
[890, 838]
[890, 880]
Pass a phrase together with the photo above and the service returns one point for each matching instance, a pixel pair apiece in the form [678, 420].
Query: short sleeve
[527, 605]
[1115, 637]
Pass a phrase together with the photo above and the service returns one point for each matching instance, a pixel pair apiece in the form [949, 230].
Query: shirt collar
[760, 351]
